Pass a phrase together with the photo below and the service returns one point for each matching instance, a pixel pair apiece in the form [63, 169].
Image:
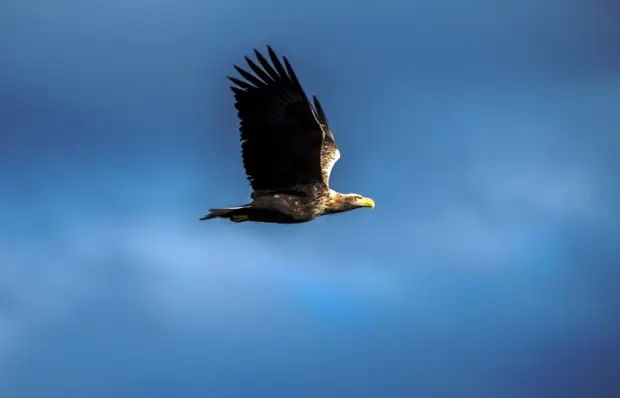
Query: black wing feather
[282, 135]
[240, 83]
[277, 64]
[265, 64]
[259, 72]
[329, 136]
[291, 73]
[249, 77]
[319, 111]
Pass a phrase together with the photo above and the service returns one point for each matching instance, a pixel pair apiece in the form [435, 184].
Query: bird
[287, 147]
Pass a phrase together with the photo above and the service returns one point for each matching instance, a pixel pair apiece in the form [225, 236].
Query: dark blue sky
[487, 133]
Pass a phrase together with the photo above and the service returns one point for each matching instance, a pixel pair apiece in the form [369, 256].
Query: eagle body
[288, 149]
[287, 207]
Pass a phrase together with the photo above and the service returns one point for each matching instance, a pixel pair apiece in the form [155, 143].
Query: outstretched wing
[282, 134]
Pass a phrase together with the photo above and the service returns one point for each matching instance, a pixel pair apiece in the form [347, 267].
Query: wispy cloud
[182, 269]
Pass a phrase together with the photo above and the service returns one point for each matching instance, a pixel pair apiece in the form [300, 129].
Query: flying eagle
[288, 149]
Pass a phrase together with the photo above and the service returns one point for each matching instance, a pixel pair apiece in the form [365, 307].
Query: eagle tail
[237, 214]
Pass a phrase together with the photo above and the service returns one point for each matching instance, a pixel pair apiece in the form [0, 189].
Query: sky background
[486, 132]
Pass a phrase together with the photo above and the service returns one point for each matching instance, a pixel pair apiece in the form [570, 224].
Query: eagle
[287, 147]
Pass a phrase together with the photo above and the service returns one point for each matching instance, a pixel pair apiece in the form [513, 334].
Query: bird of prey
[287, 147]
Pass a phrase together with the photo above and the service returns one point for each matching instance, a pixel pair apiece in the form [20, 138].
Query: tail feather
[230, 213]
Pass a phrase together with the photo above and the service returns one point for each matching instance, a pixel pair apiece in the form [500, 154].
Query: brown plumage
[288, 148]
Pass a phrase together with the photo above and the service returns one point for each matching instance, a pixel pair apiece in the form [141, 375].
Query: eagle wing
[329, 151]
[286, 142]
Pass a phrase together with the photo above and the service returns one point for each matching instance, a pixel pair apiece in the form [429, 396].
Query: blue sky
[487, 135]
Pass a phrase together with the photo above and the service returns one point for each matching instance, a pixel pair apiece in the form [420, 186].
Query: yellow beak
[367, 202]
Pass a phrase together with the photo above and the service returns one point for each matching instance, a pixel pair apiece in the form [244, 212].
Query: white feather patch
[330, 165]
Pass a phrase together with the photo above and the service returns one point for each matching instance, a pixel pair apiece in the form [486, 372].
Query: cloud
[181, 271]
[503, 214]
[242, 282]
[235, 275]
[40, 284]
